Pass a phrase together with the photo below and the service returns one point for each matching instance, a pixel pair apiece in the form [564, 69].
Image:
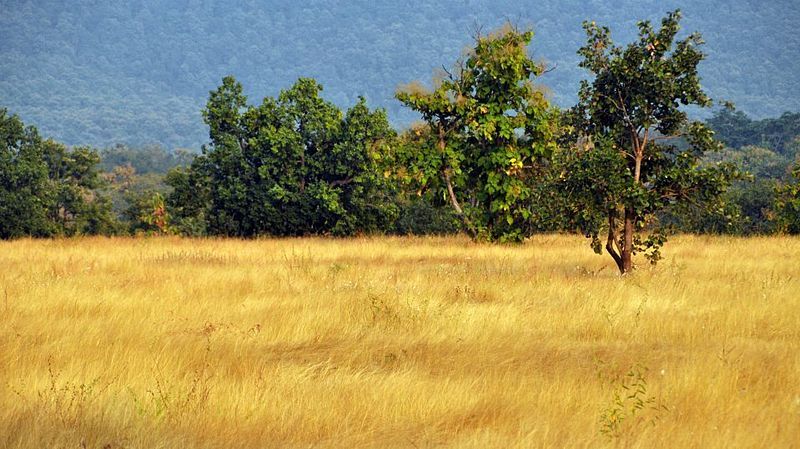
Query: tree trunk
[627, 245]
[612, 240]
[302, 172]
[629, 228]
[451, 192]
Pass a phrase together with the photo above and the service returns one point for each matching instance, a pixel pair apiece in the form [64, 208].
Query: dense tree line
[625, 166]
[736, 130]
[767, 151]
[47, 189]
[293, 165]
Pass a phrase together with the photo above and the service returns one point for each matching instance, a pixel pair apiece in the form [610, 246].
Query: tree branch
[676, 136]
[550, 69]
[341, 182]
[454, 201]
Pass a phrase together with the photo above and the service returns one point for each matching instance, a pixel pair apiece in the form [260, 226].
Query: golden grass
[392, 342]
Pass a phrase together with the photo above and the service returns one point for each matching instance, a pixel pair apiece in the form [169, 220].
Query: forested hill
[139, 71]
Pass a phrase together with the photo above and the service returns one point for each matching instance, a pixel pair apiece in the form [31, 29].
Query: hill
[89, 72]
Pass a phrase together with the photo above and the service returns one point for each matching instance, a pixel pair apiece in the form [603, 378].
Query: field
[392, 342]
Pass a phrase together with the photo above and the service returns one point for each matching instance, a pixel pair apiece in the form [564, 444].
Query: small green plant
[614, 317]
[298, 262]
[172, 402]
[394, 311]
[156, 216]
[65, 401]
[382, 311]
[631, 403]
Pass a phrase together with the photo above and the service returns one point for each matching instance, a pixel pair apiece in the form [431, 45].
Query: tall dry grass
[389, 342]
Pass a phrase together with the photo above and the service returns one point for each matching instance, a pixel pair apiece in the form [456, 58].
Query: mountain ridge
[90, 72]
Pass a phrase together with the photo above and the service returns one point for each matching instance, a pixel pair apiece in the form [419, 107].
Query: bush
[419, 217]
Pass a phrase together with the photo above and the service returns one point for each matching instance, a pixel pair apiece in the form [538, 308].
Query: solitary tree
[489, 126]
[635, 152]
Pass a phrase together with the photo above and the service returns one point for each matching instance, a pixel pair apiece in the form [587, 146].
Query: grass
[391, 342]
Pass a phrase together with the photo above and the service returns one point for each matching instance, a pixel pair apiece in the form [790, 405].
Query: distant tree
[145, 159]
[148, 215]
[424, 206]
[78, 206]
[187, 203]
[25, 193]
[787, 203]
[290, 166]
[47, 188]
[750, 202]
[131, 194]
[755, 203]
[622, 170]
[489, 126]
[734, 128]
[737, 130]
[759, 162]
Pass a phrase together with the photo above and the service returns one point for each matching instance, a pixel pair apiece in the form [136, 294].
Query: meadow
[397, 342]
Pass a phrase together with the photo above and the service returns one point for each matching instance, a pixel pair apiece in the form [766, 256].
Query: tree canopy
[489, 125]
[46, 188]
[293, 165]
[788, 203]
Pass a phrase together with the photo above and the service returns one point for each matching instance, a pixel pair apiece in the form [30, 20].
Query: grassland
[161, 343]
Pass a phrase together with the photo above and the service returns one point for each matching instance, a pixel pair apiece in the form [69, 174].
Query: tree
[734, 128]
[787, 203]
[25, 193]
[622, 169]
[78, 207]
[145, 159]
[294, 165]
[188, 200]
[737, 130]
[488, 126]
[47, 188]
[152, 217]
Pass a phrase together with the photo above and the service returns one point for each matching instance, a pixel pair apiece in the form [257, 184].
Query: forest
[137, 72]
[492, 157]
